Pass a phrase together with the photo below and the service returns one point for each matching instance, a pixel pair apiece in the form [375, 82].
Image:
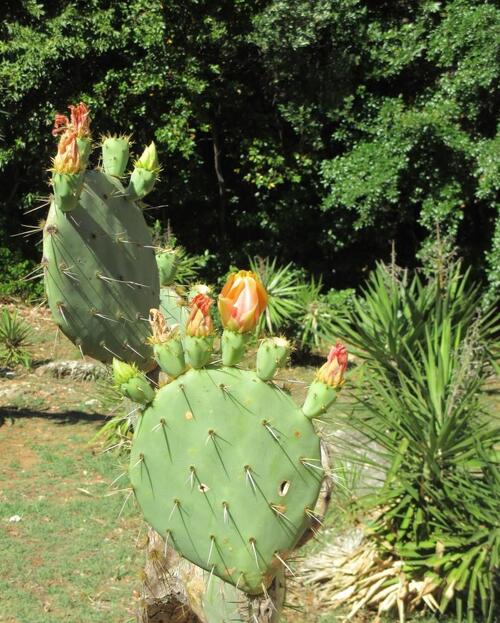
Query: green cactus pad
[225, 466]
[167, 261]
[67, 189]
[115, 152]
[101, 276]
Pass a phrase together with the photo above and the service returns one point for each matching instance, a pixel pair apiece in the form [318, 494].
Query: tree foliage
[322, 129]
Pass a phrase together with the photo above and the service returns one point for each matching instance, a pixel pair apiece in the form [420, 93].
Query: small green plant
[282, 284]
[15, 338]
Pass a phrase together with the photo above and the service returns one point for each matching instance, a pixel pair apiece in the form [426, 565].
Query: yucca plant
[427, 350]
[282, 285]
[314, 324]
[15, 338]
[390, 317]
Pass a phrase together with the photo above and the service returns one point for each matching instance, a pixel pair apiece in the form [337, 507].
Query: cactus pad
[225, 467]
[101, 276]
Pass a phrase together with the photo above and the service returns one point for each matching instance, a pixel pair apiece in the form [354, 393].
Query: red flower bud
[199, 323]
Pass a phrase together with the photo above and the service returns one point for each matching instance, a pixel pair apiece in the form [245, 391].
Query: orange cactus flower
[67, 159]
[79, 122]
[199, 323]
[242, 301]
[332, 372]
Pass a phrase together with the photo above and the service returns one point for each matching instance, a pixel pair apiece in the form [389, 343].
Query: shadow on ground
[64, 417]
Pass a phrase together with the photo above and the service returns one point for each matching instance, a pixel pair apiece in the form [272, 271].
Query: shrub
[282, 285]
[15, 336]
[427, 349]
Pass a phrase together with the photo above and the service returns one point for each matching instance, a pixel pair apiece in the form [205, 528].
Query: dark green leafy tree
[322, 129]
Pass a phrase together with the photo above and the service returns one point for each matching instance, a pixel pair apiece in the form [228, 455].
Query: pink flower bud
[332, 372]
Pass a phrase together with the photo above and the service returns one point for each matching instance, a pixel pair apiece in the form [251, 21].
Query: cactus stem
[219, 551]
[251, 540]
[127, 345]
[176, 505]
[212, 541]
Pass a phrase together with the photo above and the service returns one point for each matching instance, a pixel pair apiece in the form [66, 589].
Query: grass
[69, 558]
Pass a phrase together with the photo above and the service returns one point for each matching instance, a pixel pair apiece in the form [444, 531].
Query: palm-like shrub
[15, 338]
[427, 349]
[315, 327]
[282, 286]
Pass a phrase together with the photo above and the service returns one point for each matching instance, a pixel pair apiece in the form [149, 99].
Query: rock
[74, 369]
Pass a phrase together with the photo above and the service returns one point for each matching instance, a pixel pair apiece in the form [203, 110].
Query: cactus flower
[149, 159]
[79, 122]
[67, 159]
[161, 331]
[199, 323]
[332, 372]
[242, 301]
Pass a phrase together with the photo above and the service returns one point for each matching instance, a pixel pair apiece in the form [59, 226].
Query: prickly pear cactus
[101, 276]
[225, 466]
